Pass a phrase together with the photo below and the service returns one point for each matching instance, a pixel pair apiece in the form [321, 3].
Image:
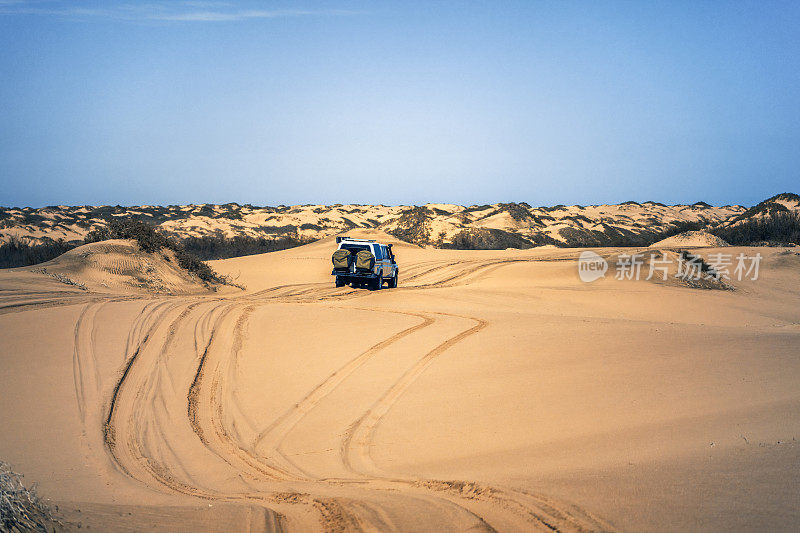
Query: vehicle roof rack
[346, 238]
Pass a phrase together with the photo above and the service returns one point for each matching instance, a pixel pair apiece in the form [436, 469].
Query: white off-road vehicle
[362, 262]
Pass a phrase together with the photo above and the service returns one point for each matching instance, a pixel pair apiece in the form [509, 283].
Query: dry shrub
[21, 509]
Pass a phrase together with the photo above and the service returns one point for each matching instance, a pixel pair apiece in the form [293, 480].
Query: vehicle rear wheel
[340, 282]
[393, 281]
[376, 283]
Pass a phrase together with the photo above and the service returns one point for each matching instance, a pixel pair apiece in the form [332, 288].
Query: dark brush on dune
[218, 247]
[780, 228]
[150, 240]
[16, 252]
[492, 239]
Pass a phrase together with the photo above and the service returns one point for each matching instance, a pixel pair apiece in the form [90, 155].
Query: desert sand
[493, 390]
[692, 239]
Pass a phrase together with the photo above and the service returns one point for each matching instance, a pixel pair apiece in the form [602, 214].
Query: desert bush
[413, 225]
[518, 212]
[768, 207]
[288, 229]
[21, 509]
[151, 240]
[219, 247]
[781, 227]
[18, 253]
[705, 268]
[148, 238]
[675, 229]
[190, 252]
[615, 236]
[608, 236]
[487, 239]
[472, 208]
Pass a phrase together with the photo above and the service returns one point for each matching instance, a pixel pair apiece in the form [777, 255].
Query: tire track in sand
[274, 435]
[336, 513]
[311, 292]
[207, 401]
[132, 418]
[122, 400]
[85, 375]
[206, 405]
[536, 511]
[355, 446]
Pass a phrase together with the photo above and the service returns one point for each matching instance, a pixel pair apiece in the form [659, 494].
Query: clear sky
[398, 102]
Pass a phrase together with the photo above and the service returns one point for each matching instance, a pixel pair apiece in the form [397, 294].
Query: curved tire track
[274, 435]
[211, 399]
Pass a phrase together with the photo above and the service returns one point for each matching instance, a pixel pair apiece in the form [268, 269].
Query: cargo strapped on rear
[365, 260]
[341, 259]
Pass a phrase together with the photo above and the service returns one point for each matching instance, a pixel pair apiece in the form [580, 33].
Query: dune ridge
[497, 225]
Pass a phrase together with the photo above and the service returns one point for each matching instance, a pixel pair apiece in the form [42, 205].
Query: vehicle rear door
[379, 258]
[388, 270]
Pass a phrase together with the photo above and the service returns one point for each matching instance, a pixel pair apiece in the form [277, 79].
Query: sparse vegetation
[677, 228]
[60, 278]
[288, 229]
[18, 253]
[769, 207]
[705, 268]
[21, 509]
[518, 212]
[414, 226]
[779, 228]
[770, 221]
[219, 247]
[487, 239]
[608, 236]
[150, 240]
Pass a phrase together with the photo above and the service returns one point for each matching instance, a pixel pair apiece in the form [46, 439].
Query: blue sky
[398, 102]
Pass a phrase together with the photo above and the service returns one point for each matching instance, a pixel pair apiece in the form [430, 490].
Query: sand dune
[493, 390]
[499, 225]
[690, 239]
[120, 266]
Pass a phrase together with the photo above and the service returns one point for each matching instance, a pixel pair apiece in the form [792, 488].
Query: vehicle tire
[393, 281]
[375, 283]
[340, 282]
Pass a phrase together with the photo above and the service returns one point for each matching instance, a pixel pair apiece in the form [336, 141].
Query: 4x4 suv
[364, 262]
